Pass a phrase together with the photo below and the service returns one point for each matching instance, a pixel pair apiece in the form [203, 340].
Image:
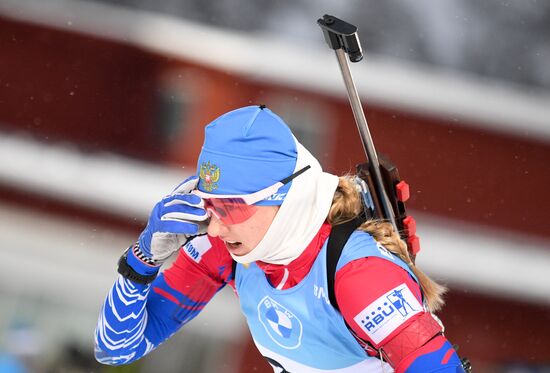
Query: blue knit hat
[244, 151]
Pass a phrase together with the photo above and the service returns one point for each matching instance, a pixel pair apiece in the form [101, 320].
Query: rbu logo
[280, 324]
[378, 316]
[384, 315]
[398, 300]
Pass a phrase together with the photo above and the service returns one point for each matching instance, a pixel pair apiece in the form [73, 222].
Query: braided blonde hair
[347, 204]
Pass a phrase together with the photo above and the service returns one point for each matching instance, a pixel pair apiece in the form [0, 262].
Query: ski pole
[342, 38]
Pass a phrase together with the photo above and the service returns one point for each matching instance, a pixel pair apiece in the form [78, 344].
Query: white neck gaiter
[300, 216]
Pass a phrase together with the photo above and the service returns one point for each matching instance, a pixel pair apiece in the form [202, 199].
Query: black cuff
[129, 273]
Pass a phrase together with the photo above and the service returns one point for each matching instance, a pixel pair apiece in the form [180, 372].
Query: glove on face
[174, 219]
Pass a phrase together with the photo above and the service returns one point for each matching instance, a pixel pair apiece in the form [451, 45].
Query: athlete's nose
[216, 227]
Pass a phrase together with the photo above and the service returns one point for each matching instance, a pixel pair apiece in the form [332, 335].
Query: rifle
[388, 193]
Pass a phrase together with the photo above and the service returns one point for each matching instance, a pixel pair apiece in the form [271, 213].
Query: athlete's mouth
[232, 245]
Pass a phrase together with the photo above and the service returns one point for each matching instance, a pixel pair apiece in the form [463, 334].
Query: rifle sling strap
[336, 241]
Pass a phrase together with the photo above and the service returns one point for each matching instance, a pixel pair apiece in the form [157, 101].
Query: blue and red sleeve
[136, 318]
[382, 304]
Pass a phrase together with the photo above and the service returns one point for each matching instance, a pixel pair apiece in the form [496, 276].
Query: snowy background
[503, 39]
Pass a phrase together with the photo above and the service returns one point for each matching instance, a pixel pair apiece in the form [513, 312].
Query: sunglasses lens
[230, 210]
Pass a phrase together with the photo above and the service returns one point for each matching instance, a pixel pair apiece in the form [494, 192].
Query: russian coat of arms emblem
[209, 176]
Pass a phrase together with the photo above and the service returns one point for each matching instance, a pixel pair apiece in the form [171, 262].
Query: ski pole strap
[338, 237]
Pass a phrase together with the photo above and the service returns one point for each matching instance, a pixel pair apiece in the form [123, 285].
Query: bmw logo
[280, 324]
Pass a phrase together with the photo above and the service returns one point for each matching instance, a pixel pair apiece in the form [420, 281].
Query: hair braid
[347, 204]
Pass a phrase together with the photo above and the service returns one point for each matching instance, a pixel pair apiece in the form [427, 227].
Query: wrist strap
[129, 273]
[136, 249]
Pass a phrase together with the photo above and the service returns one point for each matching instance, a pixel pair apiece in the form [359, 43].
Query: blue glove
[174, 219]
